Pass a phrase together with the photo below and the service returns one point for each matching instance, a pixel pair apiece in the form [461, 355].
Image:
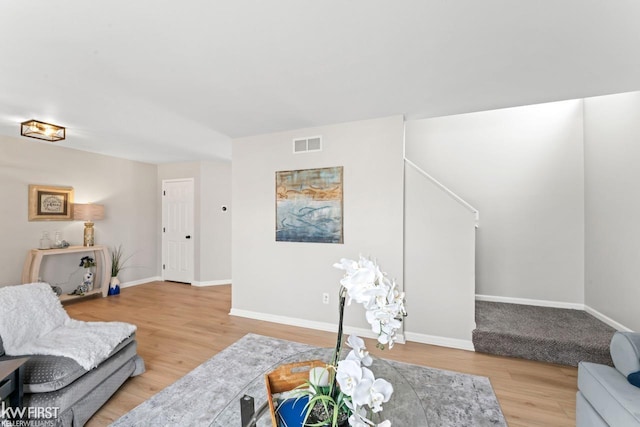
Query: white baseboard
[212, 283]
[311, 324]
[440, 341]
[140, 282]
[527, 301]
[609, 321]
[556, 304]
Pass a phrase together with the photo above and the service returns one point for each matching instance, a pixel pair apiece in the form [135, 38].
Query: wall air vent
[307, 145]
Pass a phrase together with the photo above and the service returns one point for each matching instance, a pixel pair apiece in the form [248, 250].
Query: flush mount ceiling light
[42, 130]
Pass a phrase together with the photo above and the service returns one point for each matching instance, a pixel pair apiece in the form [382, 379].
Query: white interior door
[177, 230]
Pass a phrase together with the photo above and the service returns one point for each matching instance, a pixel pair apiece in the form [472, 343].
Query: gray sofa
[60, 382]
[605, 397]
[73, 367]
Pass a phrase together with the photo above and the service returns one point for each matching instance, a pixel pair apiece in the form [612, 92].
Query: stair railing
[446, 190]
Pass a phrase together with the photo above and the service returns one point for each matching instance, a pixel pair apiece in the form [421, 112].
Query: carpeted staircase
[546, 334]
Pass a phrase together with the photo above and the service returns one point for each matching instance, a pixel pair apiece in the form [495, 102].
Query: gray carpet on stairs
[546, 334]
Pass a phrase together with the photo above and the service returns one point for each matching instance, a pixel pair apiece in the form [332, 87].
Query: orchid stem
[336, 353]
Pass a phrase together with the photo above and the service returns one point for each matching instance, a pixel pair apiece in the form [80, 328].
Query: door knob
[187, 237]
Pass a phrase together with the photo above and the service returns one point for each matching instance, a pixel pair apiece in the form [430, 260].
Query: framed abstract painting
[309, 205]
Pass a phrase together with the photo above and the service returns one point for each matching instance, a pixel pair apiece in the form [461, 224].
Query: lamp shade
[88, 212]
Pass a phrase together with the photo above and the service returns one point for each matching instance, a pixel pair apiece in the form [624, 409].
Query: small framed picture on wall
[48, 203]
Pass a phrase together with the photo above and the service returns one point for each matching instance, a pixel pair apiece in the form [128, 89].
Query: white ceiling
[162, 80]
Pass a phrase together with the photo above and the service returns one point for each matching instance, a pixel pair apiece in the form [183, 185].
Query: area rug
[449, 398]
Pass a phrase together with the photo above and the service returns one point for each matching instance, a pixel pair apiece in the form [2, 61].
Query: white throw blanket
[33, 321]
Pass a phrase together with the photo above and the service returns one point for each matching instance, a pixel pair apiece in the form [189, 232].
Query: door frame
[162, 222]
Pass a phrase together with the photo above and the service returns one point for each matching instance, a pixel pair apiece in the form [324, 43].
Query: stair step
[545, 334]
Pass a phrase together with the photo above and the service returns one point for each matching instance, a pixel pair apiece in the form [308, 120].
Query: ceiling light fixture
[42, 130]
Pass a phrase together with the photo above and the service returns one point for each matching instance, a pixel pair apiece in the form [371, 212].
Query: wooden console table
[31, 269]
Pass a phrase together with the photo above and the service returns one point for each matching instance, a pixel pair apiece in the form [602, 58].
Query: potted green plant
[118, 263]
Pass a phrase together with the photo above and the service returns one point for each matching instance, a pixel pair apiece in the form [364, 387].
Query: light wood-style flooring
[180, 327]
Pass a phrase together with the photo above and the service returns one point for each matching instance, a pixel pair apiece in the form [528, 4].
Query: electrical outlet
[325, 298]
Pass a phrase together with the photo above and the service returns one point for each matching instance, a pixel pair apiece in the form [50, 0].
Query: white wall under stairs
[439, 263]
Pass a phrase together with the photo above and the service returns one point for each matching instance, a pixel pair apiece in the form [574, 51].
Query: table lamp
[88, 212]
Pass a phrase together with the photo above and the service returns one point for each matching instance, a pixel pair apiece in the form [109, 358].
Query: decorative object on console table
[45, 242]
[118, 263]
[88, 213]
[86, 286]
[47, 203]
[348, 388]
[58, 243]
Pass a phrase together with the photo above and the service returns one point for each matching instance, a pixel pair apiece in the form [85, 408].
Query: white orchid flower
[358, 421]
[380, 393]
[359, 276]
[387, 314]
[384, 323]
[346, 264]
[362, 391]
[372, 392]
[362, 294]
[371, 297]
[355, 421]
[359, 351]
[357, 283]
[358, 415]
[396, 298]
[361, 394]
[349, 374]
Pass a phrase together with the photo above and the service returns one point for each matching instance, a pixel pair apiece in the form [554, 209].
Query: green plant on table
[87, 262]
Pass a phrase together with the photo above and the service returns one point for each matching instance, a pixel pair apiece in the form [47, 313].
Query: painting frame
[50, 203]
[309, 205]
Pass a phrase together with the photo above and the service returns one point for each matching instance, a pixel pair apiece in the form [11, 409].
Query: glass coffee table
[404, 408]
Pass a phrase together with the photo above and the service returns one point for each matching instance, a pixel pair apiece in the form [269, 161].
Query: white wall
[612, 172]
[285, 280]
[522, 168]
[215, 224]
[126, 188]
[212, 227]
[439, 264]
